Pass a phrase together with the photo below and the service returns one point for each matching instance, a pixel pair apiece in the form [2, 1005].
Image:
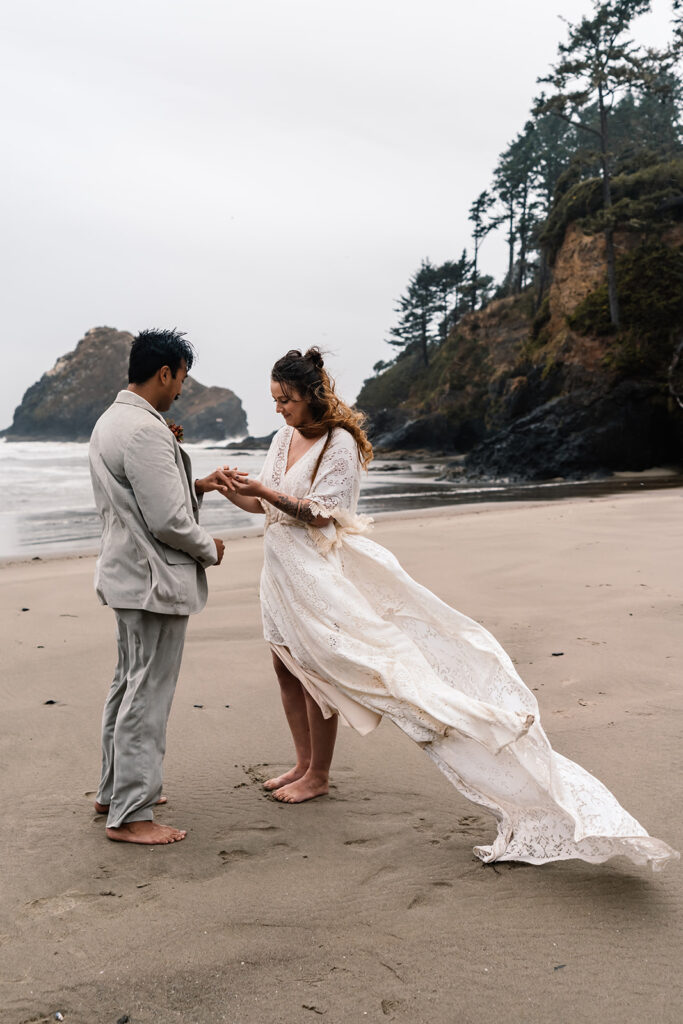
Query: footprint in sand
[240, 853]
[230, 856]
[418, 900]
[427, 897]
[382, 874]
[257, 840]
[256, 829]
[62, 904]
[366, 843]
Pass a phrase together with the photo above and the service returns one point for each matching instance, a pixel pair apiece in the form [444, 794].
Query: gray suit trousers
[150, 648]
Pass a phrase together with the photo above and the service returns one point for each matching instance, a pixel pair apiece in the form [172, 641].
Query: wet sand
[367, 905]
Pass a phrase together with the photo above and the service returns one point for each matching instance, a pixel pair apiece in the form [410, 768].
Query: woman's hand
[246, 487]
[222, 480]
[236, 486]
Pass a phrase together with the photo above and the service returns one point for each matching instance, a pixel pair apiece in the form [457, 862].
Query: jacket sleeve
[150, 466]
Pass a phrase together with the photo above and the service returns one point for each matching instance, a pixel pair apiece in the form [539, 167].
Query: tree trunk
[607, 204]
[473, 301]
[521, 278]
[445, 295]
[543, 279]
[423, 338]
[425, 353]
[511, 249]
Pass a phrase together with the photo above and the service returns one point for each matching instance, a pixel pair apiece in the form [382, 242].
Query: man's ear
[165, 375]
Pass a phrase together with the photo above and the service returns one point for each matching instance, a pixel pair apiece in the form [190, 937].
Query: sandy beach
[367, 905]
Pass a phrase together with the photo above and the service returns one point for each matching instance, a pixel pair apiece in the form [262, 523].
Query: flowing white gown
[367, 641]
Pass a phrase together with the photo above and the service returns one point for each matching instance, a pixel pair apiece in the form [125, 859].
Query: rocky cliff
[534, 391]
[67, 400]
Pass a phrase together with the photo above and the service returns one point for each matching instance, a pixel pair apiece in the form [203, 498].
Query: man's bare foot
[305, 788]
[297, 772]
[104, 808]
[148, 833]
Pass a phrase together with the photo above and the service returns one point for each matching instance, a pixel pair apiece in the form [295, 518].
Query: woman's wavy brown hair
[307, 374]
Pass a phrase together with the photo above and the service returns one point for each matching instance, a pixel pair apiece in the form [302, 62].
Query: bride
[353, 637]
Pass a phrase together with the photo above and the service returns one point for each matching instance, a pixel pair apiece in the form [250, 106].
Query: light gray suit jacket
[153, 552]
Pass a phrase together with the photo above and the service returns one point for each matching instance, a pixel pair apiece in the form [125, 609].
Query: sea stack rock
[67, 400]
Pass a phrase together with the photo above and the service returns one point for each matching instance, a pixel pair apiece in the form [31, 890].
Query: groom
[150, 572]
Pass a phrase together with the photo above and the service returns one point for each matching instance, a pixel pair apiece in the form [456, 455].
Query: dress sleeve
[336, 484]
[334, 493]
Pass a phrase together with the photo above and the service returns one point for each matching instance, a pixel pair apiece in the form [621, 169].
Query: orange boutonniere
[176, 429]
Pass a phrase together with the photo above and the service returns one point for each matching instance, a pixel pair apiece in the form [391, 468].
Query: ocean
[47, 505]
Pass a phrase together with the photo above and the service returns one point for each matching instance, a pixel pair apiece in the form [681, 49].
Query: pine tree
[450, 280]
[555, 144]
[417, 308]
[515, 180]
[596, 64]
[482, 224]
[647, 127]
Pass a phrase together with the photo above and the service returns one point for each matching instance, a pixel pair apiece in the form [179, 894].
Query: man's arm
[150, 466]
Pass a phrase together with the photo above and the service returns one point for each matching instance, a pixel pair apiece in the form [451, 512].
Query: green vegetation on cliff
[650, 281]
[642, 200]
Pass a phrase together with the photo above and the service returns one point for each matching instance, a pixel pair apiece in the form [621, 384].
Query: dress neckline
[288, 469]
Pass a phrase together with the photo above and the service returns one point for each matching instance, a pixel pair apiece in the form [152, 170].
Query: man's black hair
[155, 348]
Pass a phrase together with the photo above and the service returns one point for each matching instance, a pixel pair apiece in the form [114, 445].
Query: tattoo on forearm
[299, 508]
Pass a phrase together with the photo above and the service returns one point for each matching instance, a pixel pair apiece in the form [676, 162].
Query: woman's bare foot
[148, 833]
[305, 788]
[297, 772]
[104, 808]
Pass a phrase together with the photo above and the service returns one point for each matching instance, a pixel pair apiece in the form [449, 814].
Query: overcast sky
[263, 175]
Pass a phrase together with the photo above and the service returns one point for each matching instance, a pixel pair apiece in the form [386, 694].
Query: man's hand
[222, 480]
[220, 549]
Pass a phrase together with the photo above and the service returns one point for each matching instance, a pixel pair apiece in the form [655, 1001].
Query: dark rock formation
[590, 431]
[252, 443]
[209, 413]
[433, 432]
[67, 400]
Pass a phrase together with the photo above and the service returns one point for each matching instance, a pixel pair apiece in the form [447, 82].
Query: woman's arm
[246, 503]
[297, 508]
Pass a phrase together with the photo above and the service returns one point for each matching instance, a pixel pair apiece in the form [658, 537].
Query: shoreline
[90, 550]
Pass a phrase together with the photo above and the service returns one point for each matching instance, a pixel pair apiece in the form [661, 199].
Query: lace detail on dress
[273, 470]
[280, 448]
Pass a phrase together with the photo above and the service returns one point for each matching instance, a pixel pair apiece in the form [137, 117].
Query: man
[150, 572]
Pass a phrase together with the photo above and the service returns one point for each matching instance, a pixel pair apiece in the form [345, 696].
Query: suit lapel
[187, 469]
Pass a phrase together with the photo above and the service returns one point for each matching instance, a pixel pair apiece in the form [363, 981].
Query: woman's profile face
[290, 404]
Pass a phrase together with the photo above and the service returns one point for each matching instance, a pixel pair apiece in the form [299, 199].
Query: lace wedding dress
[367, 641]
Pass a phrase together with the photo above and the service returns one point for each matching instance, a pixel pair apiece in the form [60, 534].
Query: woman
[354, 637]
